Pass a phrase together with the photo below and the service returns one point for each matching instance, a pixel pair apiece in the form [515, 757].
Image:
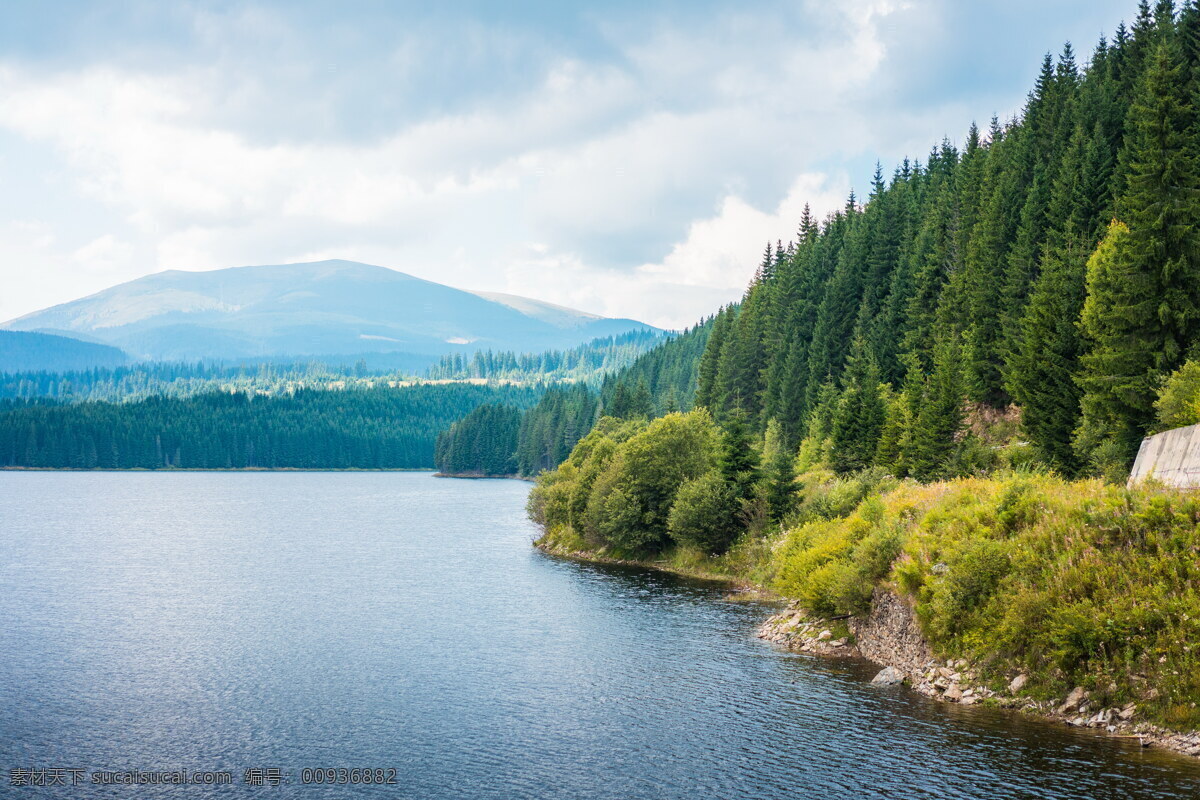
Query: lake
[274, 626]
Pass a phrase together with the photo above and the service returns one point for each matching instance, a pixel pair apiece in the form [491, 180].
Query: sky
[626, 158]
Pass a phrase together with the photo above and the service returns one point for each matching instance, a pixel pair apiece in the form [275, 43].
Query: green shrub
[1178, 403]
[704, 514]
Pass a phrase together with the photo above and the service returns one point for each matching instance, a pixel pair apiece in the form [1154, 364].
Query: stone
[1018, 683]
[888, 676]
[1127, 712]
[824, 635]
[953, 694]
[968, 700]
[1077, 696]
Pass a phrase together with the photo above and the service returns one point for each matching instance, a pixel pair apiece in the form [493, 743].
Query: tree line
[587, 362]
[1050, 265]
[376, 428]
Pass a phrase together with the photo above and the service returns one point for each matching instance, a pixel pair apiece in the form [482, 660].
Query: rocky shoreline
[890, 636]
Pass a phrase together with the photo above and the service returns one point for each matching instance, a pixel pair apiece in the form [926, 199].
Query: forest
[378, 428]
[1027, 300]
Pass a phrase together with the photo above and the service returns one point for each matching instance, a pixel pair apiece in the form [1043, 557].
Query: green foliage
[779, 472]
[1178, 403]
[1118, 373]
[620, 483]
[1078, 583]
[704, 514]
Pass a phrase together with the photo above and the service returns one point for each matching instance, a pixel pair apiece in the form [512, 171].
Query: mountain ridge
[309, 308]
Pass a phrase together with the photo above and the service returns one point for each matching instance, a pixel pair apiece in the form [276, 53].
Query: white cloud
[708, 268]
[639, 183]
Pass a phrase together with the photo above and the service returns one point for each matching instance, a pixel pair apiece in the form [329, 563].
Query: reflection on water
[228, 621]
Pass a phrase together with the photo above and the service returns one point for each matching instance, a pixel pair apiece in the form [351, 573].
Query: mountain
[33, 352]
[323, 308]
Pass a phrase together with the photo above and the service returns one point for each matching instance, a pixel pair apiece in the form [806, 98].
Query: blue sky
[627, 158]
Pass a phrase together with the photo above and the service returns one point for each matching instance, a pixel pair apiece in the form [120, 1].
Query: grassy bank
[1073, 583]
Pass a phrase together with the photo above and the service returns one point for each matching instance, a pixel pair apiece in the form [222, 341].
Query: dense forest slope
[27, 352]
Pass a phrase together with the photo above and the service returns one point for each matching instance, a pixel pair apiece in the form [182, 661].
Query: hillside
[322, 308]
[39, 352]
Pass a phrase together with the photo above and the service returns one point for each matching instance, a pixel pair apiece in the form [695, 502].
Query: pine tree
[859, 418]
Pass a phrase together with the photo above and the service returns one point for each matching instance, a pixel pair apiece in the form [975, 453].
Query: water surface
[234, 621]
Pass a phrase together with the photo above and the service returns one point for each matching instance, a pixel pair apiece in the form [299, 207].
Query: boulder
[953, 694]
[823, 635]
[1073, 701]
[888, 676]
[1018, 683]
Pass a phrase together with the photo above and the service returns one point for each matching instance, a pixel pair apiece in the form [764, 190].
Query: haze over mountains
[321, 308]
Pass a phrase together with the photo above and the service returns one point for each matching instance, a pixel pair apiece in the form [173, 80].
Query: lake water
[292, 621]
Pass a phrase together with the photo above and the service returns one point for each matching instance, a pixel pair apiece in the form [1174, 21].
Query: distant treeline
[379, 428]
[174, 379]
[123, 383]
[502, 441]
[586, 362]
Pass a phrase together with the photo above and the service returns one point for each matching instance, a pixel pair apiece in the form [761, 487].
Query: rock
[838, 643]
[888, 676]
[1077, 696]
[968, 700]
[1018, 683]
[824, 635]
[944, 672]
[1127, 712]
[953, 694]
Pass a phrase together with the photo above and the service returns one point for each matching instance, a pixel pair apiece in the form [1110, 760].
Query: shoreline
[741, 586]
[889, 637]
[482, 476]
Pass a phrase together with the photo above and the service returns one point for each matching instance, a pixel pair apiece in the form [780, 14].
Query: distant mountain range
[323, 308]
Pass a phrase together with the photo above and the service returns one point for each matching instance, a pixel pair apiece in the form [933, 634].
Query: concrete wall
[1172, 457]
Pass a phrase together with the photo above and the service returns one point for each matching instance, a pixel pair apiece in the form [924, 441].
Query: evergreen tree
[859, 418]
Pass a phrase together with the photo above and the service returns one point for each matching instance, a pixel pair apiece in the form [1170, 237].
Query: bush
[704, 514]
[1178, 403]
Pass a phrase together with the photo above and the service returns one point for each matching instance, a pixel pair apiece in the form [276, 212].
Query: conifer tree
[859, 418]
